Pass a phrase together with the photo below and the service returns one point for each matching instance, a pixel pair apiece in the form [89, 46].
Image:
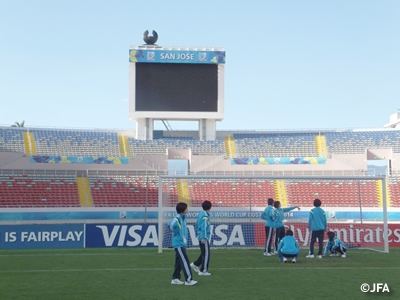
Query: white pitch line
[126, 253]
[169, 269]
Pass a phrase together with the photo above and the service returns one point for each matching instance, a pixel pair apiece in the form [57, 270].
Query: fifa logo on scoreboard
[151, 55]
[202, 56]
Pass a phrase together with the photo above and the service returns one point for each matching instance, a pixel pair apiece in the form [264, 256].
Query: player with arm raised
[279, 216]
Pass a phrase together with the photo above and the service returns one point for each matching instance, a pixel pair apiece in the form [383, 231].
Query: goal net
[356, 208]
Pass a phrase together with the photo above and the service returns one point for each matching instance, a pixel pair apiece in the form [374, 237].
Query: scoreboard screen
[172, 87]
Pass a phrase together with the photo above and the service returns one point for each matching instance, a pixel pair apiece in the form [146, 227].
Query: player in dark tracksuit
[317, 223]
[204, 236]
[269, 227]
[179, 241]
[278, 216]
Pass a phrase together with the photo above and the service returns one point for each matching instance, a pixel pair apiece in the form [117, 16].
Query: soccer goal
[356, 207]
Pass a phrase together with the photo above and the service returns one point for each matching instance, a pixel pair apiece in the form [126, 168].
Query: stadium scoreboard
[176, 83]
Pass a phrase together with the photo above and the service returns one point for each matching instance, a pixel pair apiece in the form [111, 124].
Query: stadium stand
[275, 144]
[124, 190]
[12, 140]
[394, 190]
[223, 193]
[53, 190]
[281, 144]
[352, 142]
[76, 143]
[160, 146]
[334, 194]
[38, 190]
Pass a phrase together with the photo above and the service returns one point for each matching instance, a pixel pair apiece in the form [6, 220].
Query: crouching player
[335, 246]
[288, 248]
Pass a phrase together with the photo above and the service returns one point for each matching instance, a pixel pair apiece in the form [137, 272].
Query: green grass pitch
[139, 273]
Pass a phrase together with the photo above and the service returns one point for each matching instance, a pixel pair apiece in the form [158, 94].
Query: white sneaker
[344, 255]
[204, 273]
[294, 260]
[334, 254]
[195, 268]
[319, 256]
[176, 281]
[267, 254]
[310, 256]
[285, 260]
[191, 282]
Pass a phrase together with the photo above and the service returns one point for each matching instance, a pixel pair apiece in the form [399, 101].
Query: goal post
[356, 208]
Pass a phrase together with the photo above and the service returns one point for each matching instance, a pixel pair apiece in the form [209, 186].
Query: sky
[290, 64]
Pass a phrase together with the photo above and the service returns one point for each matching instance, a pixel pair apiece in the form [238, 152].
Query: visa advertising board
[230, 234]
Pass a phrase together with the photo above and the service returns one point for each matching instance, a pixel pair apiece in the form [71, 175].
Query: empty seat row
[24, 190]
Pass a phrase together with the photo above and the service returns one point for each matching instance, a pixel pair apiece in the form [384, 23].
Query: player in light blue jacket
[179, 241]
[317, 226]
[278, 215]
[203, 227]
[335, 246]
[269, 226]
[288, 248]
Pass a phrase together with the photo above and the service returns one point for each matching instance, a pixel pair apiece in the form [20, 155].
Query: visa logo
[132, 235]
